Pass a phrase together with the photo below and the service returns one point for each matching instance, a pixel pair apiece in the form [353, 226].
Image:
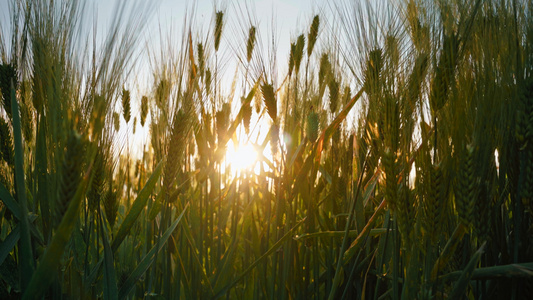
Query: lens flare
[241, 158]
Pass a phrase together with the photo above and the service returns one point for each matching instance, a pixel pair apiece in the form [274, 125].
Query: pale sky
[291, 18]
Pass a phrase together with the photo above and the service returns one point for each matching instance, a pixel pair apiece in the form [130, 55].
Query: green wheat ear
[435, 202]
[312, 36]
[111, 205]
[98, 115]
[481, 211]
[70, 174]
[144, 109]
[96, 190]
[311, 129]
[27, 121]
[270, 100]
[176, 148]
[333, 95]
[324, 69]
[391, 180]
[406, 213]
[464, 192]
[155, 137]
[126, 105]
[299, 52]
[372, 72]
[444, 73]
[291, 58]
[6, 143]
[8, 75]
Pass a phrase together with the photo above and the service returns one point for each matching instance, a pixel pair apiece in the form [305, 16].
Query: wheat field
[388, 155]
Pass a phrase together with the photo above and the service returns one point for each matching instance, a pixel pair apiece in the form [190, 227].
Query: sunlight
[242, 158]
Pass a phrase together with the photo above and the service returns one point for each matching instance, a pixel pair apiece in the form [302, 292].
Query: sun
[242, 157]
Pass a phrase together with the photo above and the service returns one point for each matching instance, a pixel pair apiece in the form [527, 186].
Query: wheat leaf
[42, 278]
[137, 207]
[26, 252]
[147, 260]
[110, 277]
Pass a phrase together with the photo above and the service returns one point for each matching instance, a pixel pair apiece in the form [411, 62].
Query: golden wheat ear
[144, 109]
[126, 105]
[250, 44]
[219, 23]
[270, 100]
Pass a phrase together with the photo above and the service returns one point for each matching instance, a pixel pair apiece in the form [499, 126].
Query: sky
[291, 18]
[289, 15]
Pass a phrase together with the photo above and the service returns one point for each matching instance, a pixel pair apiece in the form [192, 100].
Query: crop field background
[387, 155]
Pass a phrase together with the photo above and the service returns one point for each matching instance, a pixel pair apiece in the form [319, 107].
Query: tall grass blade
[9, 243]
[10, 202]
[42, 278]
[137, 207]
[25, 251]
[336, 234]
[148, 259]
[228, 257]
[354, 246]
[524, 270]
[462, 283]
[110, 277]
[448, 250]
[41, 163]
[195, 259]
[274, 247]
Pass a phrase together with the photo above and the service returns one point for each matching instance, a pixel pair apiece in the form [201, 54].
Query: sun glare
[240, 158]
